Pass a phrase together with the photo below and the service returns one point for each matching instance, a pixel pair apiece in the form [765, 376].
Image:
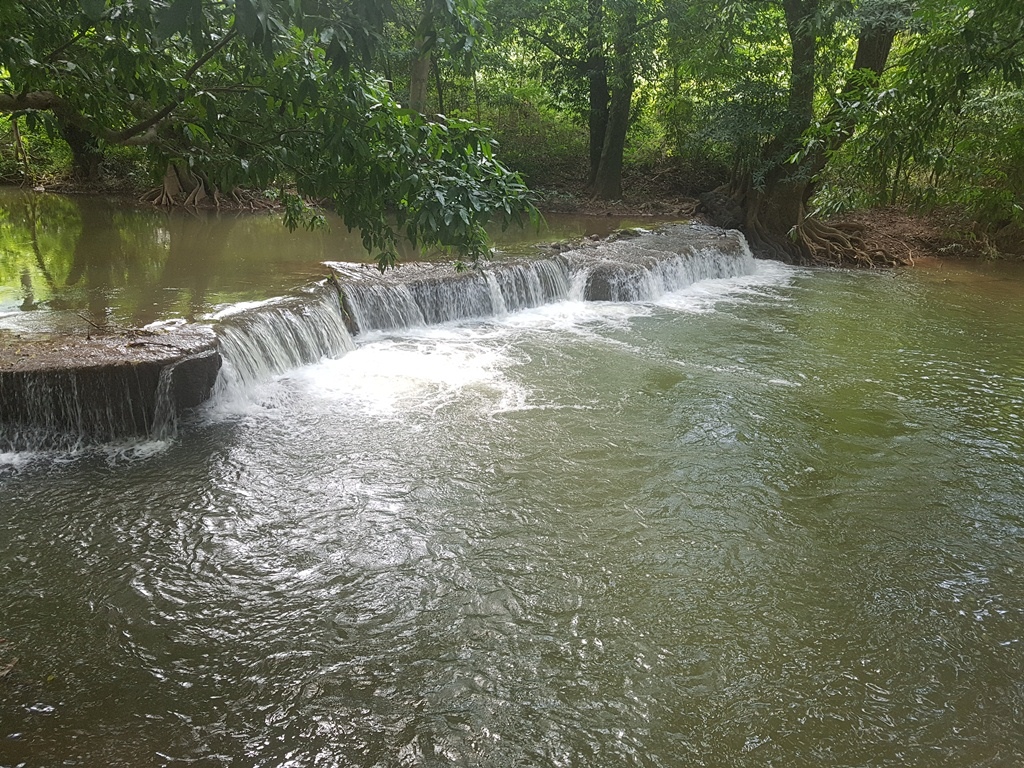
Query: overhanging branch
[141, 133]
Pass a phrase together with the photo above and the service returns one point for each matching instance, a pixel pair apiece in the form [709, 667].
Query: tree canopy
[788, 110]
[256, 93]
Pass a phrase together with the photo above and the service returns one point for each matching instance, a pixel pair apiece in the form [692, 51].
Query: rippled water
[773, 520]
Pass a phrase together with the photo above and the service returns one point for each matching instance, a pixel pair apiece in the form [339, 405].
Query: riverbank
[906, 235]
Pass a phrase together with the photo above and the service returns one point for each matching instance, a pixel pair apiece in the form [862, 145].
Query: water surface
[77, 262]
[770, 520]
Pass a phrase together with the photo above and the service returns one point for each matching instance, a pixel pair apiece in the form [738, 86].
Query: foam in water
[424, 371]
[276, 337]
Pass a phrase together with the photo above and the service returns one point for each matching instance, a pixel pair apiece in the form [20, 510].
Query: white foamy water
[426, 368]
[423, 371]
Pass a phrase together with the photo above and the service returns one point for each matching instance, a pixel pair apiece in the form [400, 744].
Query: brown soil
[904, 235]
[667, 189]
[908, 237]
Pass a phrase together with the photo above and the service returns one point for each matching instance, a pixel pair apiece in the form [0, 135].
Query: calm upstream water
[79, 262]
[773, 520]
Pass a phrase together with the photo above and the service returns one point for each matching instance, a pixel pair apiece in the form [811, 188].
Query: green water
[77, 262]
[767, 521]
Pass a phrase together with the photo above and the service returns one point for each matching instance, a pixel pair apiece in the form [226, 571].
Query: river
[775, 519]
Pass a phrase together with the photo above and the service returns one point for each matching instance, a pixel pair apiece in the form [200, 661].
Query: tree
[785, 136]
[594, 59]
[450, 27]
[257, 93]
[948, 126]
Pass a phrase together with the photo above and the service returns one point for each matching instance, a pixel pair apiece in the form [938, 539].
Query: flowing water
[768, 519]
[79, 262]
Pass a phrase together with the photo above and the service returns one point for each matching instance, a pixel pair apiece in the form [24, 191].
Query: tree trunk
[608, 179]
[774, 212]
[773, 209]
[419, 72]
[85, 151]
[418, 78]
[873, 46]
[439, 87]
[597, 77]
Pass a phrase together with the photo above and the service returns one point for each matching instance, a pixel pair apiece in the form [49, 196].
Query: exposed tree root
[770, 246]
[843, 246]
[182, 187]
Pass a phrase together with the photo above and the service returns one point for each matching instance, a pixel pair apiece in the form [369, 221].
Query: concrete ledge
[56, 391]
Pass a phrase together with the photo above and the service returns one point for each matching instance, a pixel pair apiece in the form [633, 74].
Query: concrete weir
[61, 392]
[631, 266]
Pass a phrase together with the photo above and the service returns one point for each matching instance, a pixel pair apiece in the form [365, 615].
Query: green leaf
[246, 20]
[175, 18]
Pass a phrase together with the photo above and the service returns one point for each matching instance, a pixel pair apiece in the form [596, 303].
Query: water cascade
[261, 341]
[638, 268]
[60, 395]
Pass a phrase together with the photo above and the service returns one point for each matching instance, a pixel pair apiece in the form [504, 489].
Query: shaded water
[767, 520]
[71, 262]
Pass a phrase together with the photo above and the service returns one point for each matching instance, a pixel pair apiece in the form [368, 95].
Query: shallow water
[770, 520]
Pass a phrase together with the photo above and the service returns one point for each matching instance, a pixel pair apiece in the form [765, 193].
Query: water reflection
[105, 261]
[112, 264]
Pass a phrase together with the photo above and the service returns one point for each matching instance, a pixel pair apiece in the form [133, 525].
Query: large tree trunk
[773, 209]
[873, 47]
[597, 77]
[774, 212]
[85, 151]
[608, 179]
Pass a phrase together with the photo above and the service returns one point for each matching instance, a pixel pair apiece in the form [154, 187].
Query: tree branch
[141, 133]
[144, 126]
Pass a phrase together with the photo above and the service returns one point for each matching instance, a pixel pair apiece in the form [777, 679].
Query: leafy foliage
[308, 99]
[946, 125]
[260, 94]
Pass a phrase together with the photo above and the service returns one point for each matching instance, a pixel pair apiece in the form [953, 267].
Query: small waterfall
[383, 307]
[428, 294]
[640, 273]
[532, 284]
[277, 336]
[465, 297]
[637, 269]
[165, 411]
[136, 386]
[65, 410]
[108, 389]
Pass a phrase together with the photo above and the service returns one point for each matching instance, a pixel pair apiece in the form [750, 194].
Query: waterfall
[62, 411]
[61, 396]
[637, 269]
[531, 284]
[136, 385]
[277, 336]
[643, 273]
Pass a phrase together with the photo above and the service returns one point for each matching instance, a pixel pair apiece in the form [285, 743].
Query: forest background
[429, 119]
